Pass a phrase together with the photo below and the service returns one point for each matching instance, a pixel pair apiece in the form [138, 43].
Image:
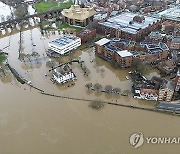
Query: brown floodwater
[36, 124]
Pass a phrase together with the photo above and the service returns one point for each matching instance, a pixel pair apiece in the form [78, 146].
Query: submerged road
[24, 81]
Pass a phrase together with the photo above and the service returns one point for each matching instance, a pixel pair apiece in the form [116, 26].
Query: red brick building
[108, 51]
[174, 43]
[129, 26]
[177, 81]
[86, 35]
[120, 52]
[170, 25]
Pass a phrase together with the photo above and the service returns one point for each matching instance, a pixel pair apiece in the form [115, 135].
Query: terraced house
[123, 52]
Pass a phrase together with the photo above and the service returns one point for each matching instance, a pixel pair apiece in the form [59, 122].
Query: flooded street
[33, 123]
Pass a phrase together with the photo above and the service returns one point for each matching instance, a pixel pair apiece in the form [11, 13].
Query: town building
[79, 2]
[107, 50]
[177, 82]
[156, 37]
[176, 31]
[149, 94]
[172, 13]
[143, 88]
[120, 51]
[86, 35]
[64, 44]
[100, 16]
[166, 92]
[169, 26]
[78, 16]
[167, 67]
[29, 1]
[174, 43]
[153, 5]
[129, 26]
[154, 52]
[63, 75]
[157, 82]
[143, 93]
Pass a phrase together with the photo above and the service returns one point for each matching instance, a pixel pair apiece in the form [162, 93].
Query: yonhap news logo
[137, 140]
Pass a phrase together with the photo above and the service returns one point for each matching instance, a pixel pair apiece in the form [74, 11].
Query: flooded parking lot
[33, 123]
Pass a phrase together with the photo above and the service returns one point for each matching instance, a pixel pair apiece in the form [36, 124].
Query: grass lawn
[3, 57]
[77, 29]
[46, 6]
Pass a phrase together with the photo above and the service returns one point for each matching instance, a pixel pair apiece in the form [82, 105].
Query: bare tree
[108, 88]
[127, 92]
[50, 64]
[36, 55]
[20, 11]
[28, 57]
[22, 56]
[117, 90]
[96, 104]
[97, 87]
[89, 85]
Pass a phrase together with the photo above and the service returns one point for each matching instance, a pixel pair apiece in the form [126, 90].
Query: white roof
[122, 22]
[64, 40]
[124, 53]
[102, 41]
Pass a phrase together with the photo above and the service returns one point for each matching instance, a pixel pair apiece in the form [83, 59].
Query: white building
[79, 2]
[146, 94]
[29, 1]
[100, 16]
[64, 44]
[62, 78]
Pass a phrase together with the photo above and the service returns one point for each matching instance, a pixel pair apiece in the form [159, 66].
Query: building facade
[86, 35]
[166, 92]
[78, 16]
[174, 43]
[129, 26]
[107, 50]
[149, 94]
[63, 75]
[120, 51]
[64, 44]
[177, 81]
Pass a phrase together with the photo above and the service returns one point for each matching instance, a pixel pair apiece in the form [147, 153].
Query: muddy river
[36, 124]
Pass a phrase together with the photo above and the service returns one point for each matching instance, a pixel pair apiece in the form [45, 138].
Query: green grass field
[77, 29]
[47, 6]
[3, 57]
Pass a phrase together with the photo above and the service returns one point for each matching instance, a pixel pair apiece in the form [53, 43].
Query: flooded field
[36, 124]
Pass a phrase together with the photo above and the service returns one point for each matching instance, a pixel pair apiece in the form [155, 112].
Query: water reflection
[8, 12]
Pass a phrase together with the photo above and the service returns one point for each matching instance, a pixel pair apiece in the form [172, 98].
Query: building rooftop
[64, 40]
[103, 41]
[76, 12]
[168, 85]
[154, 48]
[124, 53]
[176, 39]
[178, 72]
[172, 13]
[129, 22]
[156, 35]
[169, 106]
[86, 31]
